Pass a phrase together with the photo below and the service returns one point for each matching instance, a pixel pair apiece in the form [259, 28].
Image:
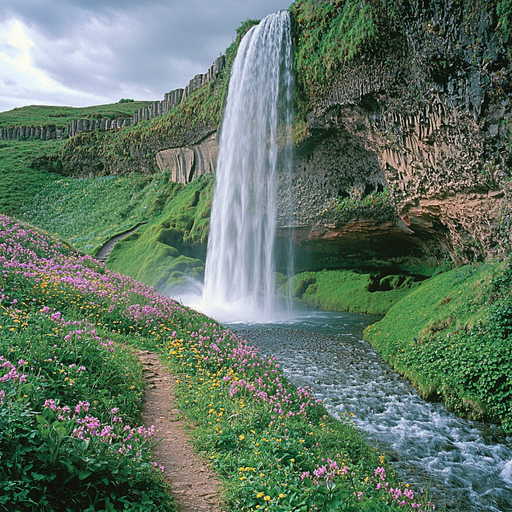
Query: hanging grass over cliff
[332, 34]
[415, 42]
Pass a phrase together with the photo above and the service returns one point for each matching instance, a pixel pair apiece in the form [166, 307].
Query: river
[466, 465]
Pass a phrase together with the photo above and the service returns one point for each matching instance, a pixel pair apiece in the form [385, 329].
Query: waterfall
[255, 149]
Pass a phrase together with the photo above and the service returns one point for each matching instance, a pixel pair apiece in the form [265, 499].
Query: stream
[466, 465]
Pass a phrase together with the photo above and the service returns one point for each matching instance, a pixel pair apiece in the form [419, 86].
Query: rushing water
[254, 146]
[468, 466]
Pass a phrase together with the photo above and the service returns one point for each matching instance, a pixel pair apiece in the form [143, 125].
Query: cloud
[97, 51]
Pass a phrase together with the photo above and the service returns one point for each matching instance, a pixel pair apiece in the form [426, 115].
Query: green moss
[452, 338]
[348, 290]
[171, 248]
[375, 205]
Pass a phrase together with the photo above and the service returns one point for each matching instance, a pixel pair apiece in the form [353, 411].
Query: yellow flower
[267, 498]
[259, 495]
[281, 495]
[242, 437]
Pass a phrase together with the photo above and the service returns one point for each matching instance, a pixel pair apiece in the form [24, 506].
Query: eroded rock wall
[189, 162]
[433, 127]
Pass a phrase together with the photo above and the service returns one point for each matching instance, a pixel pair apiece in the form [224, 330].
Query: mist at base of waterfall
[241, 311]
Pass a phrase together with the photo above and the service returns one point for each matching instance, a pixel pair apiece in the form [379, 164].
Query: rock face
[46, 132]
[186, 163]
[155, 109]
[431, 128]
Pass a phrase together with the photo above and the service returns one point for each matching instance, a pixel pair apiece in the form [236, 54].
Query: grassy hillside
[449, 335]
[26, 166]
[452, 337]
[20, 181]
[40, 115]
[87, 212]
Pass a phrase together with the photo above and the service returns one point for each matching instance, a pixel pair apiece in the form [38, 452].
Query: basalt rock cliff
[425, 116]
[402, 138]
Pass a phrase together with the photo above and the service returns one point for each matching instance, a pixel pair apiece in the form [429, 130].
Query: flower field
[71, 392]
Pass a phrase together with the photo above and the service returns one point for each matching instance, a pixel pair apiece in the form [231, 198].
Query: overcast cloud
[90, 52]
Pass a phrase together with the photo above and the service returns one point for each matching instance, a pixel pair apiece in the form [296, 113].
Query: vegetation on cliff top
[446, 41]
[330, 34]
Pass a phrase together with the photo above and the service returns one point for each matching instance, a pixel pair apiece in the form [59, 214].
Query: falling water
[254, 149]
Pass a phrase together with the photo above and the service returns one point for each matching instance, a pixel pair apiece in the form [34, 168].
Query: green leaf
[84, 473]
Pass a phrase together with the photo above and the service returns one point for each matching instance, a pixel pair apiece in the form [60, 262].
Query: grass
[66, 381]
[20, 181]
[172, 247]
[87, 212]
[351, 290]
[332, 34]
[40, 115]
[452, 338]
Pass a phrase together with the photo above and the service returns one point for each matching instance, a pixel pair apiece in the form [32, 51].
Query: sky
[91, 52]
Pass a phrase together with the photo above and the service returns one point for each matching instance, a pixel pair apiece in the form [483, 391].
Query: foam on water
[467, 465]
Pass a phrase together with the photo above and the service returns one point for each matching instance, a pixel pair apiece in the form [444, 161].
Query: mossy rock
[349, 290]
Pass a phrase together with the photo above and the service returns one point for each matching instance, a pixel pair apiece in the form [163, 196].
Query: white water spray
[254, 147]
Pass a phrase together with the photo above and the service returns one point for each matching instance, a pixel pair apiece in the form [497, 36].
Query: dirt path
[194, 486]
[105, 249]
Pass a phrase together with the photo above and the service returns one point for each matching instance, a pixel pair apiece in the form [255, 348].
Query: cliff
[402, 132]
[421, 109]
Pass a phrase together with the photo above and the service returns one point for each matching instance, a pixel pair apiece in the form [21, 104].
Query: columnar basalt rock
[173, 98]
[187, 163]
[155, 109]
